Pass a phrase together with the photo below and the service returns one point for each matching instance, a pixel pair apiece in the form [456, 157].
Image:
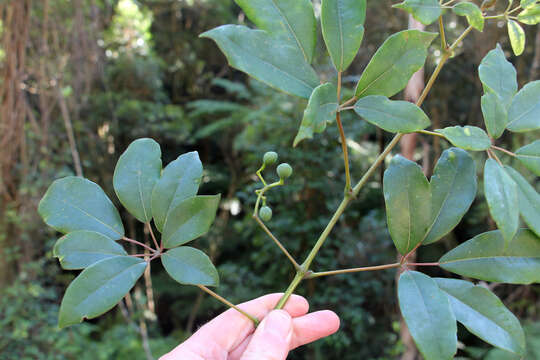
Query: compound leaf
[528, 200]
[488, 257]
[425, 11]
[498, 75]
[467, 137]
[136, 173]
[525, 107]
[190, 266]
[529, 155]
[74, 203]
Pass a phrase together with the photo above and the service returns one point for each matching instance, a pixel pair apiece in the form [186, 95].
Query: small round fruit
[284, 170]
[265, 213]
[270, 158]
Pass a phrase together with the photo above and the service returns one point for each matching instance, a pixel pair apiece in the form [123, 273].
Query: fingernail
[278, 322]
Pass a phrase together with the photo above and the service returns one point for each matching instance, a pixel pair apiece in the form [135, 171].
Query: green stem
[229, 304]
[278, 243]
[432, 133]
[353, 270]
[343, 140]
[503, 150]
[444, 44]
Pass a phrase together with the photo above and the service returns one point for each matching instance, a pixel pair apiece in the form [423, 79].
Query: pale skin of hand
[231, 336]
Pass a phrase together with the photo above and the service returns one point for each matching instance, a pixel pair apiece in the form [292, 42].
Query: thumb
[272, 338]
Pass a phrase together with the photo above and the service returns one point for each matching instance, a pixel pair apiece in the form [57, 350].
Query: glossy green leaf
[517, 37]
[487, 257]
[398, 58]
[189, 220]
[342, 27]
[498, 75]
[502, 198]
[467, 137]
[80, 249]
[426, 310]
[425, 11]
[530, 16]
[291, 20]
[528, 200]
[321, 108]
[529, 155]
[180, 180]
[483, 314]
[136, 173]
[391, 115]
[527, 3]
[190, 266]
[453, 189]
[74, 203]
[407, 197]
[275, 62]
[472, 12]
[495, 114]
[99, 288]
[524, 111]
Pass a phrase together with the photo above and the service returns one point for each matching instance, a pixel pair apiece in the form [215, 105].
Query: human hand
[231, 336]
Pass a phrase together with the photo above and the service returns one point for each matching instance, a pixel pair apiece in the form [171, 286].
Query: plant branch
[353, 270]
[278, 243]
[152, 235]
[503, 150]
[343, 139]
[229, 304]
[139, 243]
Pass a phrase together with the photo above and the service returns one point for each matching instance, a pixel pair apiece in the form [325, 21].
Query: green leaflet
[291, 20]
[498, 75]
[99, 288]
[136, 173]
[529, 155]
[472, 12]
[189, 220]
[517, 37]
[467, 137]
[342, 27]
[425, 11]
[484, 315]
[530, 16]
[495, 114]
[321, 108]
[502, 198]
[407, 197]
[527, 3]
[80, 249]
[528, 200]
[453, 189]
[190, 266]
[426, 310]
[488, 257]
[180, 180]
[525, 107]
[74, 203]
[391, 115]
[398, 58]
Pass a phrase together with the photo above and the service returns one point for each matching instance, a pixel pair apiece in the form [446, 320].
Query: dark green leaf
[472, 12]
[136, 173]
[487, 257]
[528, 200]
[426, 310]
[498, 75]
[425, 11]
[524, 110]
[292, 20]
[342, 27]
[99, 288]
[407, 197]
[190, 266]
[467, 137]
[530, 16]
[80, 249]
[189, 220]
[321, 109]
[273, 61]
[529, 155]
[74, 203]
[502, 198]
[517, 37]
[453, 189]
[391, 115]
[495, 114]
[398, 58]
[180, 180]
[484, 315]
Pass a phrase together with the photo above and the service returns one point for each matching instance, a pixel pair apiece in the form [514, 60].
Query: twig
[353, 270]
[343, 139]
[278, 243]
[229, 304]
[503, 150]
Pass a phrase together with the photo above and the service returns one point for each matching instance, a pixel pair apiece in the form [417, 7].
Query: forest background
[81, 79]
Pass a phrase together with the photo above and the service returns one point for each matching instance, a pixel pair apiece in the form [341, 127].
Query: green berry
[284, 170]
[265, 213]
[270, 158]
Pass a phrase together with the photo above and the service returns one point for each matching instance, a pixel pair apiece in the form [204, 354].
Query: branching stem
[229, 304]
[278, 243]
